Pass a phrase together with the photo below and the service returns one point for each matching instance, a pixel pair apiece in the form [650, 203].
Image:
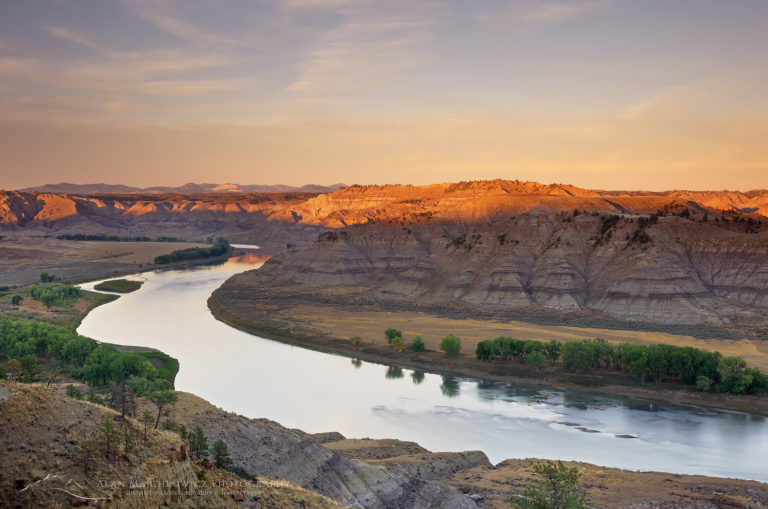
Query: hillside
[629, 267]
[44, 435]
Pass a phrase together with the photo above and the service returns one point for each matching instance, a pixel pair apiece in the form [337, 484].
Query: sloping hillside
[45, 438]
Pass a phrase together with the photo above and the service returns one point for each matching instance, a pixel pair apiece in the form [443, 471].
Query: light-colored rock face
[689, 272]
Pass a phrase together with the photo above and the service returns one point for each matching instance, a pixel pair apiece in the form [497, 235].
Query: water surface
[318, 392]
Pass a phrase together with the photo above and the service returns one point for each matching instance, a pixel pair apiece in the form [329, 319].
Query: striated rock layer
[669, 270]
[677, 257]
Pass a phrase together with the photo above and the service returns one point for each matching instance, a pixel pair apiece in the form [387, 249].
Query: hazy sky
[652, 94]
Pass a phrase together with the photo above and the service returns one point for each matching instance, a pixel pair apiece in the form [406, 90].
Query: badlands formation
[675, 257]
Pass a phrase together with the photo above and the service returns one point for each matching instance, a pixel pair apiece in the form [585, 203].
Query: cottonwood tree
[451, 345]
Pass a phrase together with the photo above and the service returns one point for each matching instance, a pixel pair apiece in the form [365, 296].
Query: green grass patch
[119, 286]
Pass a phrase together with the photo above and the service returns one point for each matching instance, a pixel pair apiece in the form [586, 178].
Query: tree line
[24, 344]
[195, 253]
[708, 371]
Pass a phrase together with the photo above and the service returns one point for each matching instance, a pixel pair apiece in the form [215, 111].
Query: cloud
[532, 14]
[71, 36]
[154, 11]
[369, 47]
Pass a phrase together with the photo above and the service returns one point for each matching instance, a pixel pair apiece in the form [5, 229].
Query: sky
[606, 94]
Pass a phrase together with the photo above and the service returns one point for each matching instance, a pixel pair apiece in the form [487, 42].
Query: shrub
[398, 343]
[417, 344]
[558, 488]
[451, 345]
[392, 334]
[74, 392]
[356, 340]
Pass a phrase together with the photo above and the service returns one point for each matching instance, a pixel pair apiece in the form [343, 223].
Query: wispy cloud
[533, 14]
[70, 35]
[370, 46]
[158, 12]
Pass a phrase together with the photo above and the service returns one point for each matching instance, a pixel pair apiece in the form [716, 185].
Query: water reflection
[450, 387]
[394, 372]
[356, 363]
[418, 377]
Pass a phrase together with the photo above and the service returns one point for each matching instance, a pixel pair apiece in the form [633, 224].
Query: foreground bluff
[674, 268]
[265, 448]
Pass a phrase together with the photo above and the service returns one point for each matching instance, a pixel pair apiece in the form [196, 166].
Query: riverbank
[276, 321]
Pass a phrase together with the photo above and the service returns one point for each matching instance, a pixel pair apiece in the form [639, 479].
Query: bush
[451, 345]
[392, 334]
[417, 344]
[356, 340]
[558, 489]
[398, 343]
[74, 392]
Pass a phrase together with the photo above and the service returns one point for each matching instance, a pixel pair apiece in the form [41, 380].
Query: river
[317, 392]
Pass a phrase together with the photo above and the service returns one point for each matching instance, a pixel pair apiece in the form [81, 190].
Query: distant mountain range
[190, 188]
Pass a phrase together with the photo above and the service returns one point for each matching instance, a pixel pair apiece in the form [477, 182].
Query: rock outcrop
[265, 448]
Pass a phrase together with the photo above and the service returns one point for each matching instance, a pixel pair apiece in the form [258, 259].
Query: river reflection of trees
[450, 387]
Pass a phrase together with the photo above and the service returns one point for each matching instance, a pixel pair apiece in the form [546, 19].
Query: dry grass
[23, 258]
[614, 488]
[370, 326]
